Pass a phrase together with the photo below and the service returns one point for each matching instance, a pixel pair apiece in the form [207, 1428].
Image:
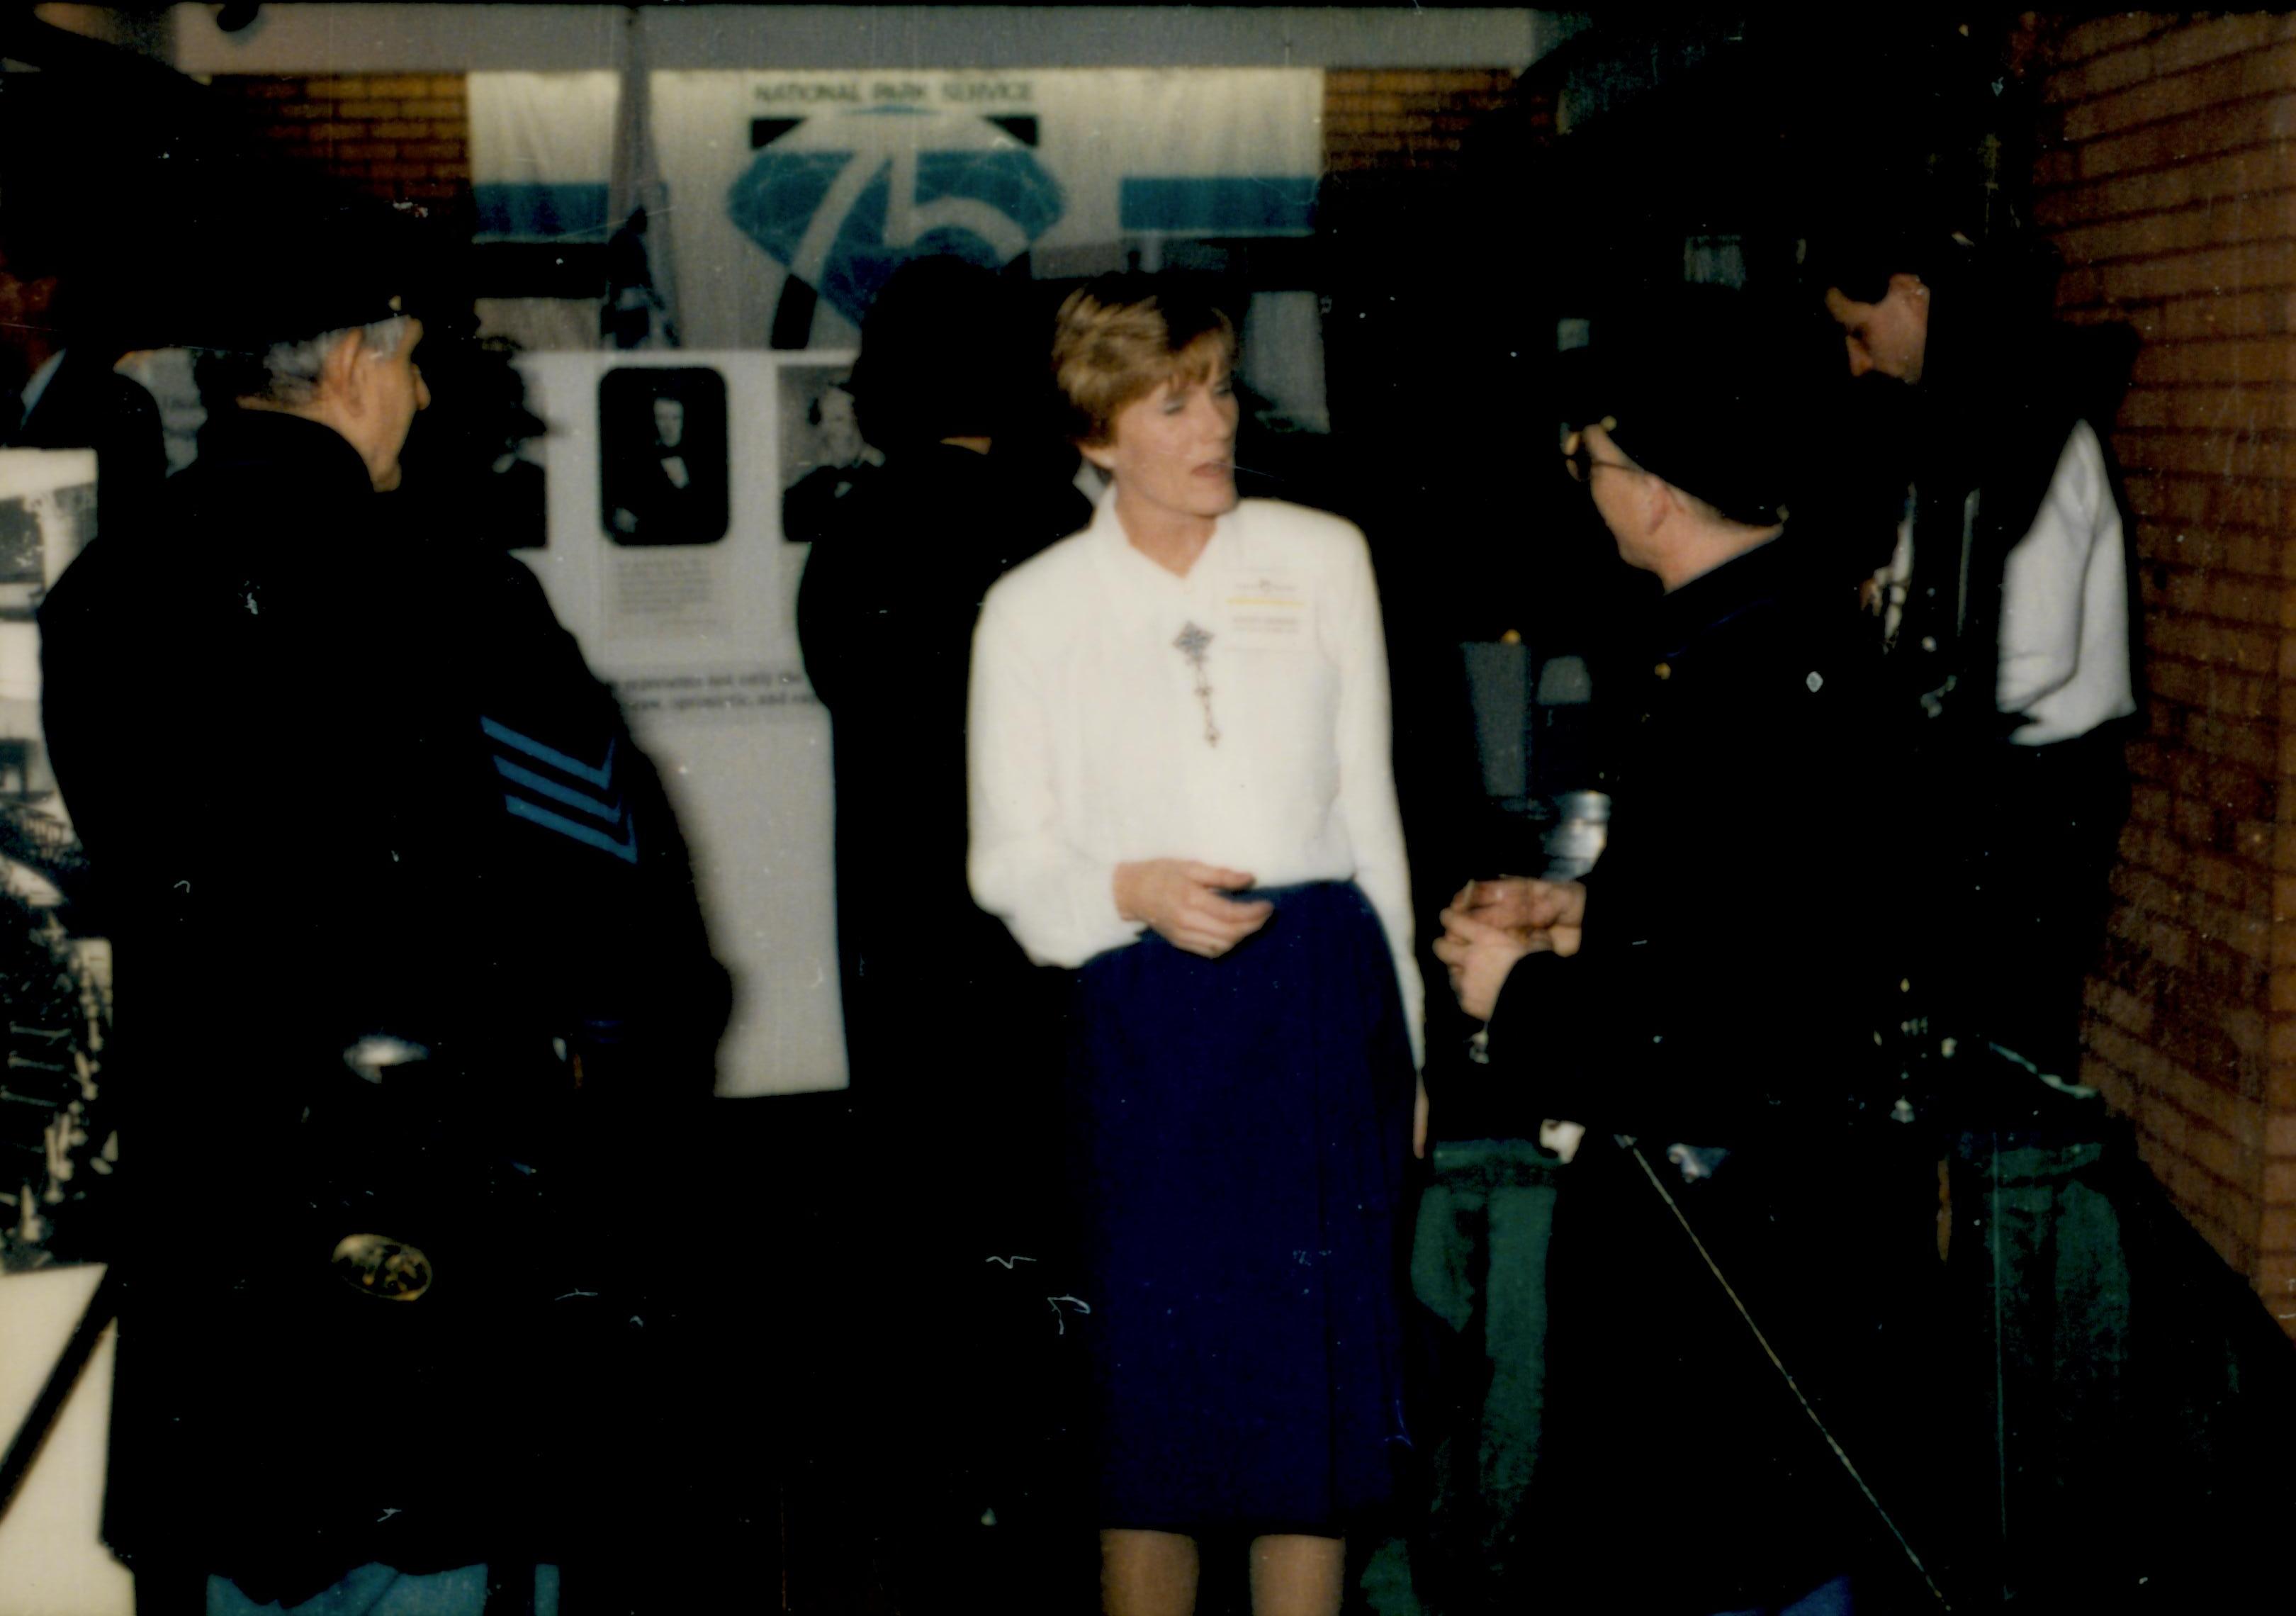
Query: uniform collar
[307, 453]
[1766, 573]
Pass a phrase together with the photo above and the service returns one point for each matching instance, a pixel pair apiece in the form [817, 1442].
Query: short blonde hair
[1123, 337]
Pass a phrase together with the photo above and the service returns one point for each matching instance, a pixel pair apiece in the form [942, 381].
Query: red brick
[2280, 1136]
[2079, 284]
[2178, 94]
[2248, 504]
[2207, 41]
[259, 86]
[2239, 792]
[2203, 407]
[2170, 945]
[2100, 75]
[2245, 1029]
[2171, 226]
[2148, 761]
[395, 86]
[2251, 649]
[2231, 883]
[366, 112]
[2255, 555]
[2255, 840]
[2220, 1156]
[2225, 268]
[2247, 931]
[2055, 169]
[2218, 364]
[2235, 314]
[2123, 1052]
[2275, 1277]
[2230, 695]
[2094, 37]
[2127, 1011]
[2205, 132]
[2246, 600]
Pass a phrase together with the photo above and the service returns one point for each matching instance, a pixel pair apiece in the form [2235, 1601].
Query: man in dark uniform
[406, 943]
[1711, 992]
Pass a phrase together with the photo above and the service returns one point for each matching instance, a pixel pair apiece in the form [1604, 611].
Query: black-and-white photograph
[60, 1141]
[662, 455]
[823, 455]
[41, 528]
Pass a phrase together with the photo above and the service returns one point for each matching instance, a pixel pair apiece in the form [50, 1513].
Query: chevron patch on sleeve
[546, 787]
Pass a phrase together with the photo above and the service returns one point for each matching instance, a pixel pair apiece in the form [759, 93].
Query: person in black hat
[900, 560]
[407, 940]
[1694, 1027]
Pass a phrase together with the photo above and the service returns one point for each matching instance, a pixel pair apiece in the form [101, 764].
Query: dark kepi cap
[328, 265]
[1691, 388]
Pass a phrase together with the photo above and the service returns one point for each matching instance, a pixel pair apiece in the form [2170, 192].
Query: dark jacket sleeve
[1732, 974]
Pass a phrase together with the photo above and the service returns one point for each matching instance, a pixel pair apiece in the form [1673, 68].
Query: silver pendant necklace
[1192, 642]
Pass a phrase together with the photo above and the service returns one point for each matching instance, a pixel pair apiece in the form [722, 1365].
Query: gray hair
[287, 373]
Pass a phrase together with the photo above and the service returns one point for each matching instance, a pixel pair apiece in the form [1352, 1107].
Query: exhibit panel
[666, 472]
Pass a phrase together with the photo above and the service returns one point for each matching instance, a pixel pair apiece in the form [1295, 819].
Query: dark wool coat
[341, 780]
[1735, 993]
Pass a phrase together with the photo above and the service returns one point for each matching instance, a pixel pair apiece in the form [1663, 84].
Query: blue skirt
[1240, 1128]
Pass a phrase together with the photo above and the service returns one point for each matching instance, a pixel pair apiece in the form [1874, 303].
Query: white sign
[691, 618]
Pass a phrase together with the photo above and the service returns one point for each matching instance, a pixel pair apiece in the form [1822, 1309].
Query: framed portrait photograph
[662, 455]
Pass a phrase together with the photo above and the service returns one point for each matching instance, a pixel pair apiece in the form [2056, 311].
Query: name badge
[1269, 611]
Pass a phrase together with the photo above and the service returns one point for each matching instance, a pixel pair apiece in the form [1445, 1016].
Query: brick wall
[1390, 119]
[2167, 176]
[404, 137]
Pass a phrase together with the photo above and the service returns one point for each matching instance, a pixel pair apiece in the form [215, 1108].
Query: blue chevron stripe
[610, 812]
[601, 776]
[625, 849]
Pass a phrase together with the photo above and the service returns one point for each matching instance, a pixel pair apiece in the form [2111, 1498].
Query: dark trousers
[1479, 1268]
[2047, 834]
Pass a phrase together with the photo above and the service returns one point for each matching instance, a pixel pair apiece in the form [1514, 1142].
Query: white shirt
[2063, 642]
[2065, 606]
[1088, 733]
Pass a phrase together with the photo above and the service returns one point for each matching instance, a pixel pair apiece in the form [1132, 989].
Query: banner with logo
[792, 196]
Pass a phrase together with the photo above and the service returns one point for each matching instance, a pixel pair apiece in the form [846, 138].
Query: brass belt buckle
[377, 1265]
